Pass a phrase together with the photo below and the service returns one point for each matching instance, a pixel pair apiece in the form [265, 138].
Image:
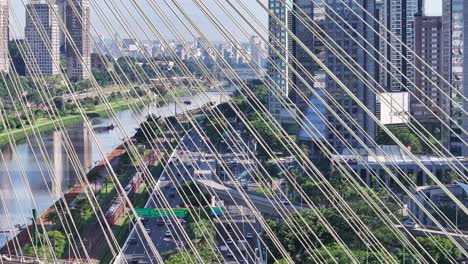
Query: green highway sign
[161, 212]
[178, 212]
[215, 210]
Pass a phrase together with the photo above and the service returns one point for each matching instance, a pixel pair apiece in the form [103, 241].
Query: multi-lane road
[237, 237]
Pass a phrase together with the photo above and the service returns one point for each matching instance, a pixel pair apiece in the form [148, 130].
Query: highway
[134, 249]
[178, 171]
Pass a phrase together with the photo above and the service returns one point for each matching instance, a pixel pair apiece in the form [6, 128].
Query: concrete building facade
[428, 46]
[455, 34]
[398, 17]
[277, 68]
[78, 47]
[346, 76]
[42, 40]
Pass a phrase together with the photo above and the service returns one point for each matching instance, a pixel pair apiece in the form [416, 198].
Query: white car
[223, 248]
[229, 241]
[411, 224]
[168, 233]
[248, 235]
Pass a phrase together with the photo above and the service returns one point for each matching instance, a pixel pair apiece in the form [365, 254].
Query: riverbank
[45, 124]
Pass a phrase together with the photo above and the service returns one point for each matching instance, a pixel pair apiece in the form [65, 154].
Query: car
[160, 221]
[133, 241]
[230, 254]
[172, 195]
[411, 224]
[229, 241]
[223, 248]
[285, 201]
[168, 233]
[248, 235]
[148, 231]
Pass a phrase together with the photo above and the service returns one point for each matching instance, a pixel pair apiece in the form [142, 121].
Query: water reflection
[43, 188]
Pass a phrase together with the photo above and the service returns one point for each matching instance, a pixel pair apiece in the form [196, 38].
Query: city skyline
[338, 135]
[432, 7]
[188, 5]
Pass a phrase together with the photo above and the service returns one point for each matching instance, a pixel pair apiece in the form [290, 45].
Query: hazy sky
[125, 6]
[433, 7]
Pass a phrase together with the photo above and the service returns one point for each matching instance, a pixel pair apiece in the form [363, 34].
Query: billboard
[394, 108]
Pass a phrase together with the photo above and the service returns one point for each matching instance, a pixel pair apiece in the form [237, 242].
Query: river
[16, 201]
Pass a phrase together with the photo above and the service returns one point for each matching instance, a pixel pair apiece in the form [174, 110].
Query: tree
[338, 255]
[148, 131]
[214, 130]
[16, 57]
[272, 169]
[310, 225]
[93, 177]
[59, 103]
[266, 130]
[53, 217]
[404, 135]
[449, 177]
[103, 78]
[431, 246]
[181, 258]
[56, 238]
[194, 195]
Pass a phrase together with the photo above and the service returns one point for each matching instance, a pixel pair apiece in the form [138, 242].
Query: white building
[277, 68]
[43, 39]
[368, 166]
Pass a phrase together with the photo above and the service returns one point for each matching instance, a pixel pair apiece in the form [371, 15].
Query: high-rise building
[4, 19]
[277, 68]
[305, 64]
[398, 17]
[78, 48]
[42, 39]
[343, 73]
[455, 34]
[62, 7]
[256, 49]
[428, 47]
[282, 75]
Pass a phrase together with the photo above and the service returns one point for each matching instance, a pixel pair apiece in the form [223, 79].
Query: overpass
[460, 238]
[263, 204]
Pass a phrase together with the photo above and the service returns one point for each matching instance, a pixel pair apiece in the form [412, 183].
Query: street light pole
[367, 253]
[243, 224]
[404, 254]
[69, 246]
